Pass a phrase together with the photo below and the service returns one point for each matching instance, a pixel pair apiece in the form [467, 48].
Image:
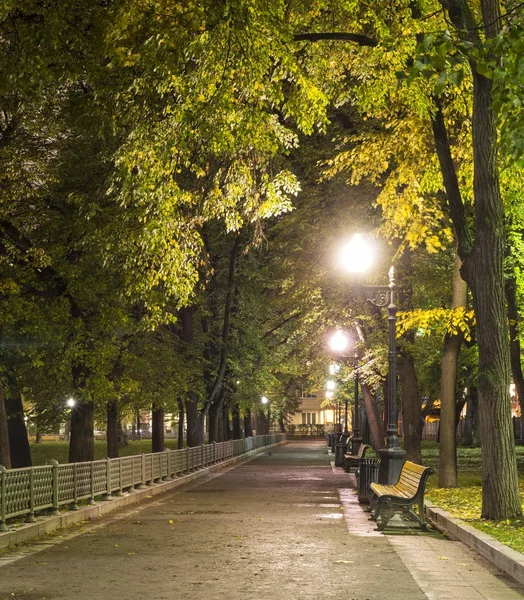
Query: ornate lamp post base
[391, 461]
[341, 449]
[355, 444]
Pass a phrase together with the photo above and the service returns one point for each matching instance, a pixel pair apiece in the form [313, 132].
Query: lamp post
[356, 441]
[339, 342]
[392, 457]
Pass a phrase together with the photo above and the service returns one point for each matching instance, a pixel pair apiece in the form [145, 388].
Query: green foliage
[437, 321]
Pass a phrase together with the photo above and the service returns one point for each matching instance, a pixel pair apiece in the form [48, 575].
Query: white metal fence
[48, 487]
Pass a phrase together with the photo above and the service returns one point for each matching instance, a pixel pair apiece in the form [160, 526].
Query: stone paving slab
[283, 526]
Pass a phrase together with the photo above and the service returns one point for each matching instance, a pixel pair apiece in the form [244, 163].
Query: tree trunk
[5, 455]
[373, 417]
[181, 418]
[260, 422]
[237, 431]
[193, 421]
[471, 408]
[410, 407]
[38, 438]
[448, 390]
[18, 440]
[500, 490]
[281, 424]
[82, 444]
[483, 271]
[158, 430]
[514, 343]
[248, 427]
[407, 376]
[214, 393]
[195, 425]
[228, 434]
[121, 437]
[138, 425]
[214, 418]
[112, 429]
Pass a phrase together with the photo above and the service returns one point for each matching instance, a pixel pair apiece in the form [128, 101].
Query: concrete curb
[31, 531]
[506, 559]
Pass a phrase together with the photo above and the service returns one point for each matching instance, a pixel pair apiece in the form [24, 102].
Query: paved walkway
[282, 526]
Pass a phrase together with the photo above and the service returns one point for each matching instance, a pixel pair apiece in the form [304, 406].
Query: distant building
[311, 411]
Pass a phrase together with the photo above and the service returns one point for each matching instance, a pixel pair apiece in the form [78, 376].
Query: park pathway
[272, 528]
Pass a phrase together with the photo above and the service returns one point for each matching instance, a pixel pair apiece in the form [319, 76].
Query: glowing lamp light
[330, 385]
[71, 402]
[334, 369]
[329, 394]
[339, 341]
[356, 256]
[264, 400]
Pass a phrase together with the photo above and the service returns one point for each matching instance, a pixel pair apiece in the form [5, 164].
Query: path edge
[505, 558]
[46, 524]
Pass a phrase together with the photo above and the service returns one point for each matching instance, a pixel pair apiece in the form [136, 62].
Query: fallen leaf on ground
[345, 562]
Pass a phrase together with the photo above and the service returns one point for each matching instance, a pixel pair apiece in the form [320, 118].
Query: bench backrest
[362, 450]
[413, 477]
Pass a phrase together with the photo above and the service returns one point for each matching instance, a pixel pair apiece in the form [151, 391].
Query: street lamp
[357, 440]
[265, 400]
[357, 258]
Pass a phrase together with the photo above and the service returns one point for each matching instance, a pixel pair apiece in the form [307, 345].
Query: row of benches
[400, 498]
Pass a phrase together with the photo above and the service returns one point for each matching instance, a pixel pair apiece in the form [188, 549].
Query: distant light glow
[330, 385]
[334, 369]
[339, 341]
[329, 394]
[71, 402]
[264, 400]
[357, 255]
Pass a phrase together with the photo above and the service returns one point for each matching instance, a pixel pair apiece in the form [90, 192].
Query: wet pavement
[285, 525]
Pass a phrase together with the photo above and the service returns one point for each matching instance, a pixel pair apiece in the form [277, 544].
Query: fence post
[171, 471]
[165, 476]
[107, 495]
[142, 485]
[121, 478]
[92, 483]
[119, 492]
[30, 518]
[54, 475]
[74, 504]
[3, 526]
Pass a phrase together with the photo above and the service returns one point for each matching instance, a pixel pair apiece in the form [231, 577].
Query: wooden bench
[353, 460]
[401, 497]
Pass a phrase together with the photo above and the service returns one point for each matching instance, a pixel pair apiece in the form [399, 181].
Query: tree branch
[451, 184]
[361, 40]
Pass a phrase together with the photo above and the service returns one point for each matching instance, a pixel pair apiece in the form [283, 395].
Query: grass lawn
[465, 502]
[45, 451]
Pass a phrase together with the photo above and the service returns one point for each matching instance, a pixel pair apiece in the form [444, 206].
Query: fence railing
[48, 487]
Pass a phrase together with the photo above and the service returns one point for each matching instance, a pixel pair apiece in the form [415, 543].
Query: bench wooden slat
[353, 460]
[401, 497]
